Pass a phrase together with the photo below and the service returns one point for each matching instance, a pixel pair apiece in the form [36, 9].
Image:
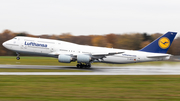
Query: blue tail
[160, 45]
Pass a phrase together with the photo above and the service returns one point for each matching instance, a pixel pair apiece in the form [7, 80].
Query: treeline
[131, 41]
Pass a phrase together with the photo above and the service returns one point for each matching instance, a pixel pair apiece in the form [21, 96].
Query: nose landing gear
[18, 58]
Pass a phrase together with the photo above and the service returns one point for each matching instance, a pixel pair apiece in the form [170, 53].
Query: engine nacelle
[64, 58]
[82, 58]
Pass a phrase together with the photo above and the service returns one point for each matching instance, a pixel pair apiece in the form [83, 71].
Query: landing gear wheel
[78, 65]
[18, 58]
[83, 65]
[88, 65]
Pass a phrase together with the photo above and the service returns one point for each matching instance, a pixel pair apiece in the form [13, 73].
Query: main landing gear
[80, 65]
[17, 56]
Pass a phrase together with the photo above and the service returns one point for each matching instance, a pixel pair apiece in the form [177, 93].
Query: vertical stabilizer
[162, 44]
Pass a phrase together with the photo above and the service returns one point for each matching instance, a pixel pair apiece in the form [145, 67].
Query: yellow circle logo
[164, 43]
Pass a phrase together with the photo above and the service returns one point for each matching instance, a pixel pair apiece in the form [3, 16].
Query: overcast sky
[85, 17]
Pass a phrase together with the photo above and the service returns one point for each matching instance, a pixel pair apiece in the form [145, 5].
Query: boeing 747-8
[67, 52]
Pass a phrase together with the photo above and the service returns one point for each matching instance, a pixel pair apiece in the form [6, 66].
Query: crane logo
[164, 43]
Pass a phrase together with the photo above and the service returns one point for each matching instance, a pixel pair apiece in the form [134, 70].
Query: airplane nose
[4, 44]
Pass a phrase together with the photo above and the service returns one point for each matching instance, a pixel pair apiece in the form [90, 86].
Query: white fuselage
[48, 47]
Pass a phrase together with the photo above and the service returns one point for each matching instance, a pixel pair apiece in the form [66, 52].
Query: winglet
[162, 44]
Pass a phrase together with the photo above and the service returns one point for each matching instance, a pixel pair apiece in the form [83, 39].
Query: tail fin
[162, 44]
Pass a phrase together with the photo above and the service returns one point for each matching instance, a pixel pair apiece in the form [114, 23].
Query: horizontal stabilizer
[158, 55]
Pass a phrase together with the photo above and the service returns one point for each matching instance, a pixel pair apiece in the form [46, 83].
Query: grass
[11, 60]
[90, 88]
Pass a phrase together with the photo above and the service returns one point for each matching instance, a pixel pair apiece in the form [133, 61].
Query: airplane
[67, 52]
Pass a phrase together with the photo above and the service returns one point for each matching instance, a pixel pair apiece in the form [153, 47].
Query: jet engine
[82, 58]
[64, 58]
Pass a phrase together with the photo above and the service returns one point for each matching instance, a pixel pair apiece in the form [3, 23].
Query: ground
[80, 88]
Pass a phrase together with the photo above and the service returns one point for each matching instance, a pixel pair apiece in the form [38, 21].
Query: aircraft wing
[106, 54]
[96, 55]
[103, 55]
